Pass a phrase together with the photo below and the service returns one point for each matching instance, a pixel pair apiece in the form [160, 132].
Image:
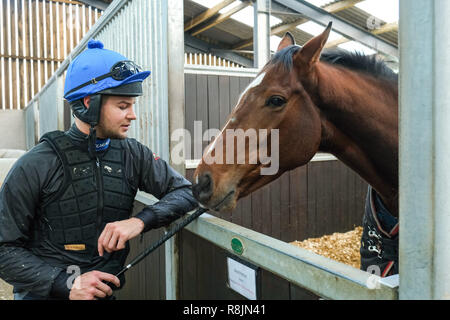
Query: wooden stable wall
[210, 99]
[35, 37]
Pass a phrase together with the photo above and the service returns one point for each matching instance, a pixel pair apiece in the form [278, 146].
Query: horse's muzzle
[203, 189]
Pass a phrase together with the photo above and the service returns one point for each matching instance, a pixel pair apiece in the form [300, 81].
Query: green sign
[237, 246]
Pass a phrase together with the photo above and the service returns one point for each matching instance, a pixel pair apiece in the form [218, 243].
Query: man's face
[116, 115]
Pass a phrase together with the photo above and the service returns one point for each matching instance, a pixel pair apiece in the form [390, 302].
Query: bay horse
[331, 101]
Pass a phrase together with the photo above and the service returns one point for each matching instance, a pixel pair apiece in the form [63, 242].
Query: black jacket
[38, 175]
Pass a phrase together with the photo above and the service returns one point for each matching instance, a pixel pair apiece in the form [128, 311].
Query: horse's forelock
[285, 56]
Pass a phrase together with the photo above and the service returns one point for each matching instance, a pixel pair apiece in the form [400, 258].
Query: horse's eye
[275, 101]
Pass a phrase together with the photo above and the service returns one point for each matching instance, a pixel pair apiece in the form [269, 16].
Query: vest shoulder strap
[59, 142]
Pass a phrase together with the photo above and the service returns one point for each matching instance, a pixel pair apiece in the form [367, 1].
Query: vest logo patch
[75, 247]
[155, 156]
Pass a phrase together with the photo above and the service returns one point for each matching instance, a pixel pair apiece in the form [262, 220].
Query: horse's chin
[227, 208]
[224, 203]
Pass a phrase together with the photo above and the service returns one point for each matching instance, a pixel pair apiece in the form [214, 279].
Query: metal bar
[71, 27]
[16, 31]
[64, 14]
[205, 15]
[58, 35]
[332, 8]
[44, 35]
[94, 3]
[83, 22]
[2, 60]
[323, 17]
[14, 56]
[193, 163]
[31, 52]
[38, 47]
[77, 23]
[388, 27]
[327, 278]
[8, 21]
[416, 168]
[175, 70]
[221, 18]
[213, 70]
[261, 33]
[52, 54]
[203, 46]
[90, 18]
[24, 46]
[424, 247]
[441, 61]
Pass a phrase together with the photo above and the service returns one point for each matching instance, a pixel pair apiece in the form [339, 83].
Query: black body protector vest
[94, 192]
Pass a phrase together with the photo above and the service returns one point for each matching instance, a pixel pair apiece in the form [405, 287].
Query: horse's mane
[351, 60]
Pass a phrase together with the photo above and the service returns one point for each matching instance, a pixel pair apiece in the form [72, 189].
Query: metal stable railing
[326, 278]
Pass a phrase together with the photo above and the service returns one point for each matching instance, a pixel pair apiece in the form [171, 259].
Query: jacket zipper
[100, 197]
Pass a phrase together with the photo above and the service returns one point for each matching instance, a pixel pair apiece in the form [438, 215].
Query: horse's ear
[310, 52]
[288, 40]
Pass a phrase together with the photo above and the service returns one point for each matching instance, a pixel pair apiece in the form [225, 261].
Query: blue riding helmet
[98, 71]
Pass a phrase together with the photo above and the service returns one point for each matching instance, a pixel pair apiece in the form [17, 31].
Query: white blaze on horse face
[253, 84]
[212, 146]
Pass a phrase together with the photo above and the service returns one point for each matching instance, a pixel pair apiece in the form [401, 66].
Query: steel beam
[388, 27]
[283, 28]
[424, 247]
[202, 46]
[323, 17]
[96, 4]
[261, 33]
[205, 15]
[222, 17]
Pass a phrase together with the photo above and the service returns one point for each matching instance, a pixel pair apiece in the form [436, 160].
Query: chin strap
[91, 142]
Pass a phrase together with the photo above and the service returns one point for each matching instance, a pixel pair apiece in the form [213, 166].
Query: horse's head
[274, 116]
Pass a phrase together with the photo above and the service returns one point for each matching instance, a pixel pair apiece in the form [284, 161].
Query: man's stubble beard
[109, 133]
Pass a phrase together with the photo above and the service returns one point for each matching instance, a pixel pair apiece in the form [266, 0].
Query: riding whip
[166, 237]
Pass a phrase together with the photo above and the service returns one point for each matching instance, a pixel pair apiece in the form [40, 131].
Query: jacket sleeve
[156, 177]
[19, 197]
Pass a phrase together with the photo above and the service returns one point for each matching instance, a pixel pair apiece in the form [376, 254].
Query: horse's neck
[360, 127]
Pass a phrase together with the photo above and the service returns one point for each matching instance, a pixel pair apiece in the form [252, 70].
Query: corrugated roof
[230, 33]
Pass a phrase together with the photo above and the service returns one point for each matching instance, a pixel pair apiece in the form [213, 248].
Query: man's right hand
[91, 285]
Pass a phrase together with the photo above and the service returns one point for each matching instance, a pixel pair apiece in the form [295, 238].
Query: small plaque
[237, 246]
[242, 279]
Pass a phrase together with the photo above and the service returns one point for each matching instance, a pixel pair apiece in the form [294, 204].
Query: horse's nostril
[203, 189]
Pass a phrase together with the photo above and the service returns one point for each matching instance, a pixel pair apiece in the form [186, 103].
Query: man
[66, 204]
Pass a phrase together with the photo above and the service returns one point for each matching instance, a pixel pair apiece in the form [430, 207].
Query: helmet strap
[91, 141]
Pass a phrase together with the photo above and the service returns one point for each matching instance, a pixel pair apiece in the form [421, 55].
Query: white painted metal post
[424, 253]
[175, 50]
[261, 33]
